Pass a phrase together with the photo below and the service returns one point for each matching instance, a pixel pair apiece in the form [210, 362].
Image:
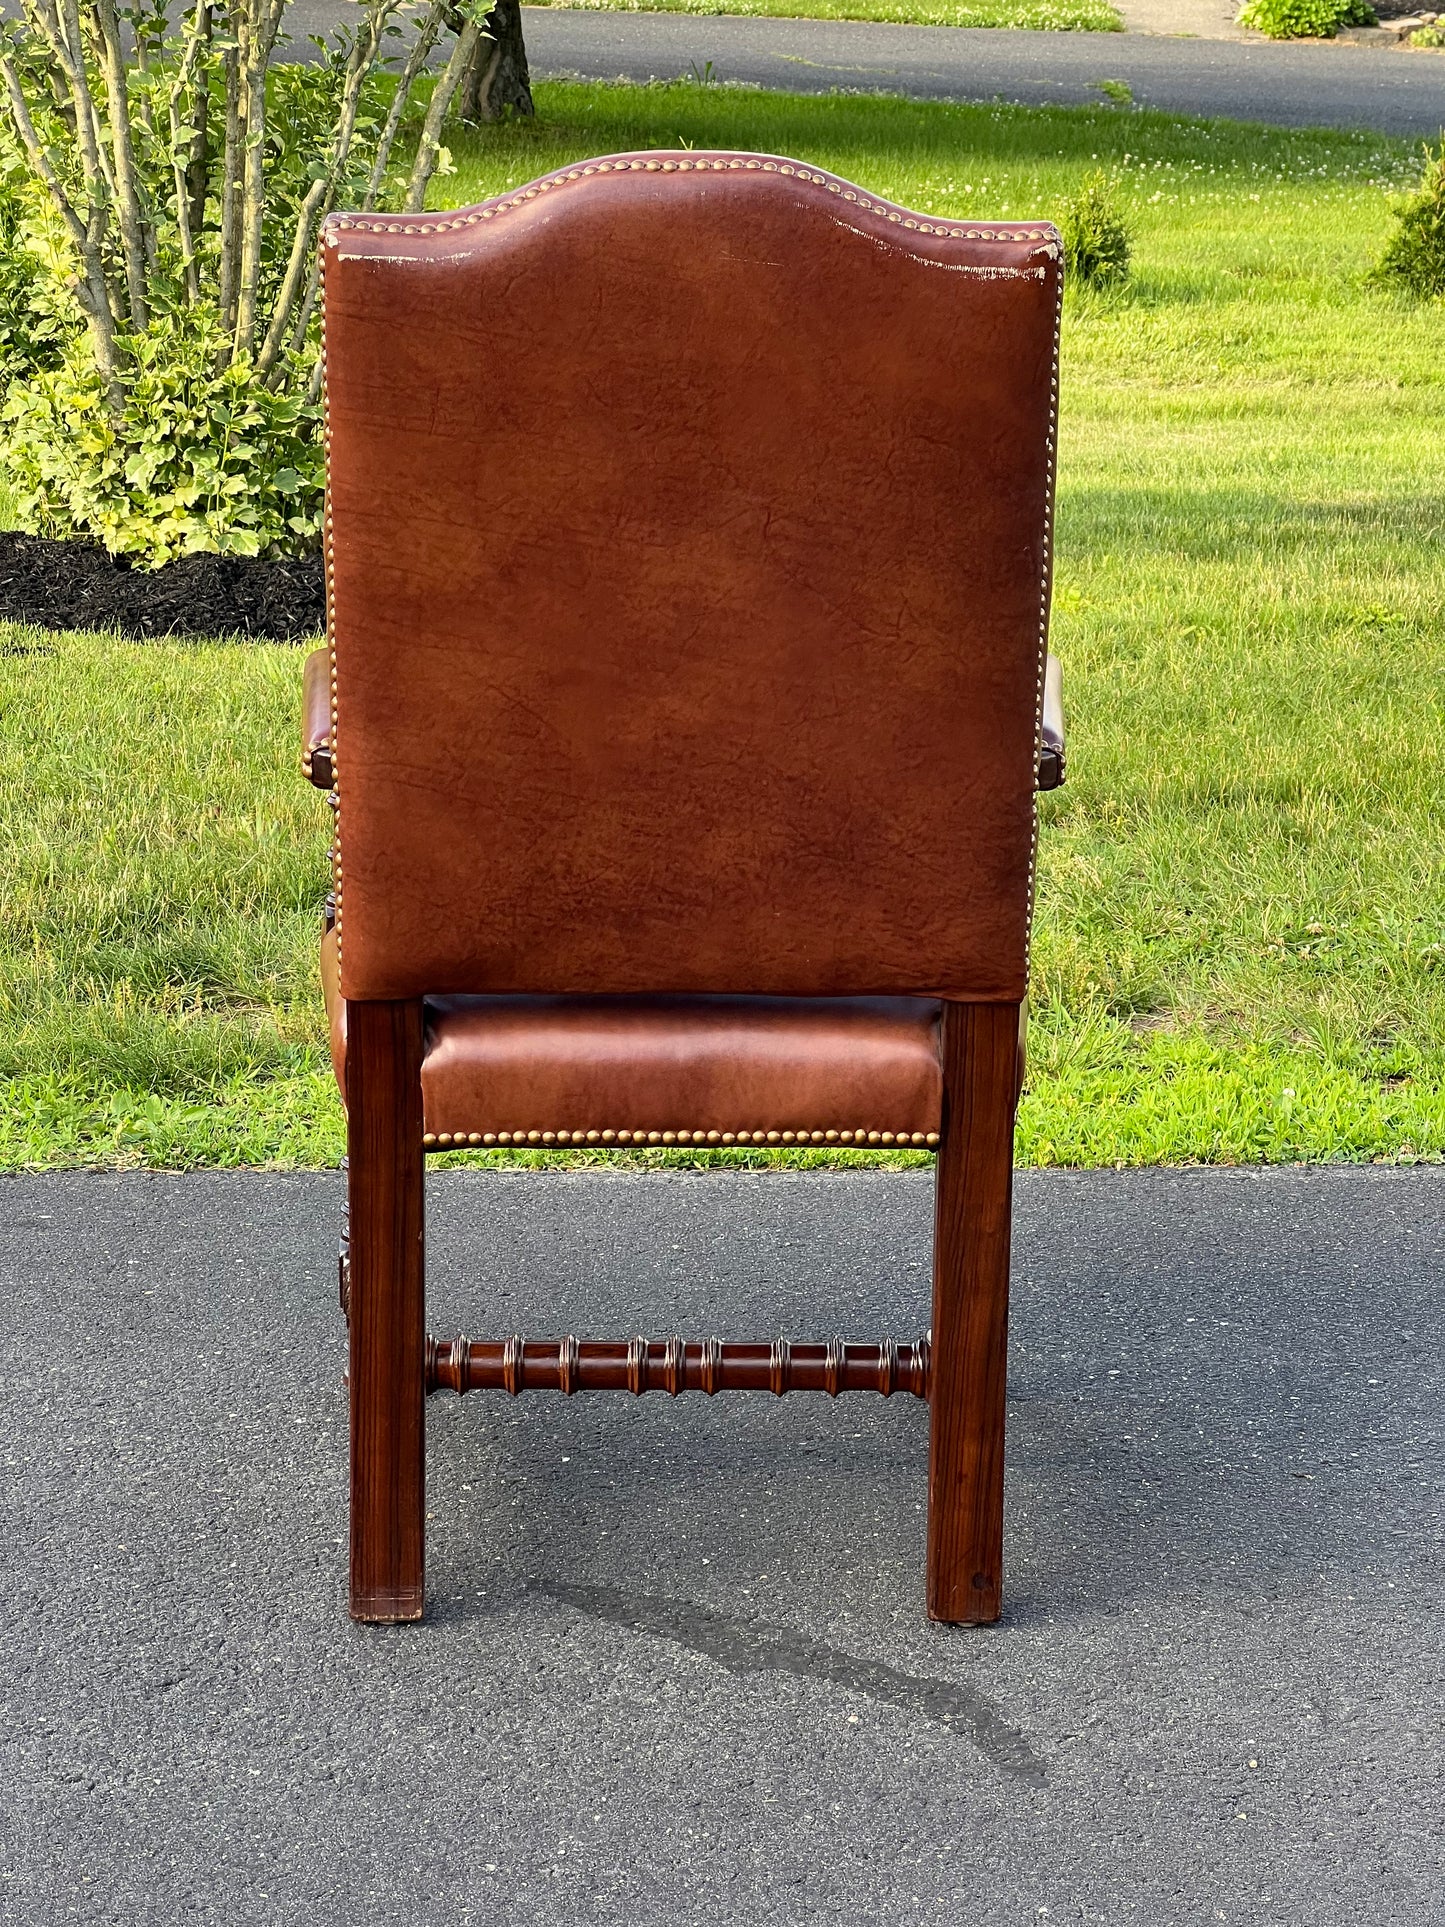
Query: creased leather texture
[688, 577]
[847, 1067]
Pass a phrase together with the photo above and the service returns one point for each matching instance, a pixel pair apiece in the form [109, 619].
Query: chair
[687, 556]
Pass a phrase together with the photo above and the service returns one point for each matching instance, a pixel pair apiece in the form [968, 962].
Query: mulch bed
[77, 585]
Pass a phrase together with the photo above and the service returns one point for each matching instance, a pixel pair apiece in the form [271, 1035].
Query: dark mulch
[76, 585]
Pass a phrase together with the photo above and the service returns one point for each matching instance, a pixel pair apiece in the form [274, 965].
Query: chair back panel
[688, 579]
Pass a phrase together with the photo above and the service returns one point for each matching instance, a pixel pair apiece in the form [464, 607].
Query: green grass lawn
[1240, 950]
[1088, 16]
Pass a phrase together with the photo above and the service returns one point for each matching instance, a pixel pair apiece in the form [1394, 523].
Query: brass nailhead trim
[676, 164]
[1045, 583]
[443, 1140]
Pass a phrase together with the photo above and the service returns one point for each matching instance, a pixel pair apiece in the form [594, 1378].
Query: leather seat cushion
[673, 1069]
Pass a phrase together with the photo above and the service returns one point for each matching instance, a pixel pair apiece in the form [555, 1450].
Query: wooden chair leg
[970, 1313]
[388, 1357]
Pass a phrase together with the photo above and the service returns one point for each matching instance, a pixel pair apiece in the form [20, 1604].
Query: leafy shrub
[197, 456]
[162, 187]
[28, 335]
[1305, 19]
[1432, 36]
[1096, 241]
[1414, 260]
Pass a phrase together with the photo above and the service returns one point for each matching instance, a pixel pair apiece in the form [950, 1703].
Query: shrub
[1414, 259]
[1432, 36]
[161, 191]
[199, 455]
[1096, 241]
[1305, 19]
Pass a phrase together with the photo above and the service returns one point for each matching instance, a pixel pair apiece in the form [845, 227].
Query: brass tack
[831, 1136]
[887, 1136]
[592, 1136]
[713, 1136]
[787, 1136]
[474, 1137]
[772, 1136]
[533, 1137]
[668, 1137]
[559, 1137]
[727, 1136]
[489, 1137]
[817, 1137]
[429, 1137]
[872, 1136]
[654, 1137]
[608, 1136]
[933, 1137]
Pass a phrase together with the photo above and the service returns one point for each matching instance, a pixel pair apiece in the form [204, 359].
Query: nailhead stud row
[732, 163]
[1045, 582]
[444, 1139]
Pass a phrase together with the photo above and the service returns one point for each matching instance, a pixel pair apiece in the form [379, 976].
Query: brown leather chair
[687, 558]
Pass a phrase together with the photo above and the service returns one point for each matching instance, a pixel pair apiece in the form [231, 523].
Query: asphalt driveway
[1317, 85]
[676, 1668]
[1320, 84]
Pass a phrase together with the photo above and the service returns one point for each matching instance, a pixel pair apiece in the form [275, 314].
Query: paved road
[1296, 86]
[676, 1668]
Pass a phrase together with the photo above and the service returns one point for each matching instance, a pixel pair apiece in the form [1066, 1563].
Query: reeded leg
[970, 1313]
[384, 1126]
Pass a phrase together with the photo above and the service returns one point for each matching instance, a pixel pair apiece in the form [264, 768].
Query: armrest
[316, 719]
[1051, 753]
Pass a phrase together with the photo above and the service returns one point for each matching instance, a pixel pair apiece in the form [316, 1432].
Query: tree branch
[322, 193]
[182, 173]
[430, 144]
[421, 46]
[230, 208]
[132, 226]
[90, 288]
[263, 17]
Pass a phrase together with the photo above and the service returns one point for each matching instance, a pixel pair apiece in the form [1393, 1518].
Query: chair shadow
[1176, 1425]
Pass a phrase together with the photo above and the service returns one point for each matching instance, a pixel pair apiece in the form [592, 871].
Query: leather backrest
[688, 562]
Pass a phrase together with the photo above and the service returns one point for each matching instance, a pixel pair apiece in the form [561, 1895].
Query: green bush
[1096, 241]
[163, 180]
[1414, 260]
[1305, 19]
[199, 455]
[1428, 36]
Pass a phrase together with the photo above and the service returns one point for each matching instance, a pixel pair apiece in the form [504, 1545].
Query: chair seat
[673, 1069]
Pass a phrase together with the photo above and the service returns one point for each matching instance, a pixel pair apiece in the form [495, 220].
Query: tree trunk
[496, 82]
[198, 162]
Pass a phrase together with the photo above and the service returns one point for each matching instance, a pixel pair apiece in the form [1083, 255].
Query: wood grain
[673, 1365]
[387, 1309]
[970, 1313]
